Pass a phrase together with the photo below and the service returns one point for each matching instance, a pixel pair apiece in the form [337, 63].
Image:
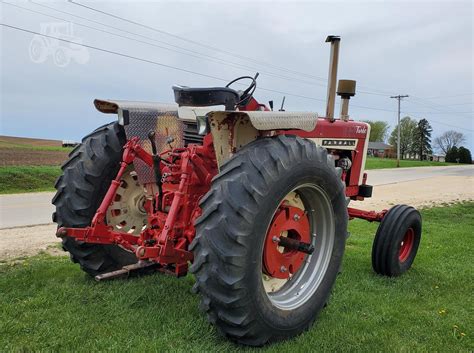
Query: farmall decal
[338, 143]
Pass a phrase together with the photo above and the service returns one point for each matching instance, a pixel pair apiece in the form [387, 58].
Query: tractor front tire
[246, 301]
[396, 241]
[86, 177]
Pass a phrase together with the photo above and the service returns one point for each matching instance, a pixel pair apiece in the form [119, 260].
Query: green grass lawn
[17, 179]
[47, 303]
[382, 163]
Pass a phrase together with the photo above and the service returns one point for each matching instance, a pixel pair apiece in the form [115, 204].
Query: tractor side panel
[343, 135]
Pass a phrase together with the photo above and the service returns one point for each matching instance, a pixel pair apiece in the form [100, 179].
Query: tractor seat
[205, 97]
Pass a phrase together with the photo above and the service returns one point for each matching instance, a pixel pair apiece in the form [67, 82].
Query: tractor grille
[190, 133]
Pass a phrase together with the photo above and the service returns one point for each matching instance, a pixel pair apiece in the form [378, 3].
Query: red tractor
[254, 202]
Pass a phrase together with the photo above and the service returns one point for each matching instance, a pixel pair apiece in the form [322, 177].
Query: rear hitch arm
[98, 232]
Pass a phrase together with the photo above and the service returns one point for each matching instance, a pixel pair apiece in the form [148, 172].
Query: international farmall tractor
[253, 202]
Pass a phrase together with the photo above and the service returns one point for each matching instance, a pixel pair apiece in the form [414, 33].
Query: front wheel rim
[293, 292]
[406, 245]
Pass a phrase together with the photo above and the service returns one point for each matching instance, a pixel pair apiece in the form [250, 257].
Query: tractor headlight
[203, 126]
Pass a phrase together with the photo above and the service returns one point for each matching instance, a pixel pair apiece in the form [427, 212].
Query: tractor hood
[261, 120]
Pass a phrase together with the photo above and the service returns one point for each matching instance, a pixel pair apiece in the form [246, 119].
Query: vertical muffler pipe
[332, 77]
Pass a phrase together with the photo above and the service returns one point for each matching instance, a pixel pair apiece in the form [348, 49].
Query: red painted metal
[339, 129]
[371, 216]
[187, 174]
[252, 104]
[186, 177]
[406, 245]
[280, 262]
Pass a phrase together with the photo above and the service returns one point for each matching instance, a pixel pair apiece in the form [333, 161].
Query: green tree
[464, 155]
[422, 139]
[452, 155]
[407, 131]
[378, 130]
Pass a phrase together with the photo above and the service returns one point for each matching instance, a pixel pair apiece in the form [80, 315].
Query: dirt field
[26, 141]
[23, 157]
[27, 151]
[25, 241]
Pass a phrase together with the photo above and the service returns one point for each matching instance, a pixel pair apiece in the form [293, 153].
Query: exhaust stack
[332, 76]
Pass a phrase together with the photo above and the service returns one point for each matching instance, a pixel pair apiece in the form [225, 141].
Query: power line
[151, 61]
[456, 95]
[112, 52]
[435, 106]
[442, 123]
[379, 93]
[193, 41]
[260, 62]
[443, 113]
[202, 57]
[208, 57]
[165, 65]
[191, 71]
[457, 104]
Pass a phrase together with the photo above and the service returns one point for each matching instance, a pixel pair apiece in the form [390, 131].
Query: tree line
[416, 142]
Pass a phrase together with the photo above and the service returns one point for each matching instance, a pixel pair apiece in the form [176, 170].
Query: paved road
[32, 209]
[398, 175]
[25, 209]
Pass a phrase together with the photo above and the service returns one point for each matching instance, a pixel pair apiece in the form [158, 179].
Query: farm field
[22, 151]
[49, 304]
[29, 165]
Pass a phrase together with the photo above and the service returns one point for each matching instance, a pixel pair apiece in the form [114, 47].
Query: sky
[420, 48]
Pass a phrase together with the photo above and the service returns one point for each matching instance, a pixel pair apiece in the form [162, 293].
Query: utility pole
[399, 98]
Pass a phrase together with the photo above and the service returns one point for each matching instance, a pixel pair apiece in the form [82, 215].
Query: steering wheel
[248, 92]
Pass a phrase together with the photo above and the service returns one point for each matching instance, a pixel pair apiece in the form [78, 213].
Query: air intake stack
[345, 89]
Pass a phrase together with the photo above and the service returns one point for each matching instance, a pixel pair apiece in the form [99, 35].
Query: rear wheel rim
[406, 245]
[127, 212]
[299, 287]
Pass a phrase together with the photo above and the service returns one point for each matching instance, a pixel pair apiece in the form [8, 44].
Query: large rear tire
[233, 251]
[86, 178]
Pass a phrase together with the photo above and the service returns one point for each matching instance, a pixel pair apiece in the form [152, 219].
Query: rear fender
[231, 130]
